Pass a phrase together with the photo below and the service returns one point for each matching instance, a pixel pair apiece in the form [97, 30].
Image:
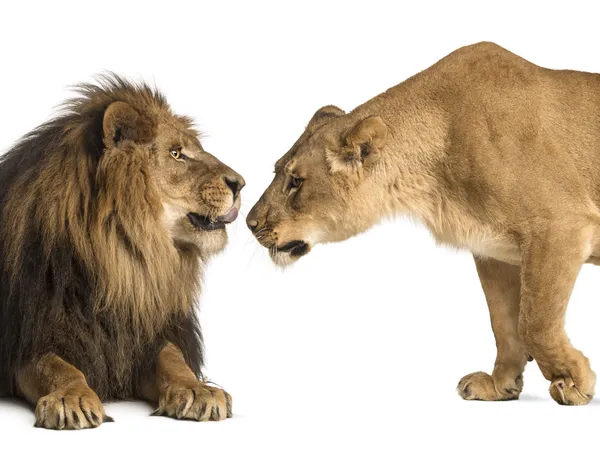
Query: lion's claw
[70, 409]
[196, 401]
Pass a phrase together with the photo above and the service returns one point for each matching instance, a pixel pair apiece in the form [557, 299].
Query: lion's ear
[324, 113]
[360, 145]
[123, 122]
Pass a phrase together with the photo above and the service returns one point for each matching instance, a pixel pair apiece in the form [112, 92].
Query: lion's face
[325, 188]
[199, 194]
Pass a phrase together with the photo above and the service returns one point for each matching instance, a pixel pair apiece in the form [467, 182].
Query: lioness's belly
[498, 249]
[505, 251]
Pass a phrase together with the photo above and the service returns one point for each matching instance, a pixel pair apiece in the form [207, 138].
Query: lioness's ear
[123, 122]
[360, 144]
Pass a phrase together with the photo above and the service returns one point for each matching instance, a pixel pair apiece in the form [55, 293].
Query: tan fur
[493, 154]
[501, 285]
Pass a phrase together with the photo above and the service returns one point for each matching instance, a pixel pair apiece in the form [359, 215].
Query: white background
[361, 344]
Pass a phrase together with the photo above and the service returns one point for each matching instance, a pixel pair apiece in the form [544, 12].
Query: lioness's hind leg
[60, 392]
[501, 286]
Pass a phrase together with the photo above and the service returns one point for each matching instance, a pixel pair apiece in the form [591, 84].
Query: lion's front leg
[63, 399]
[180, 394]
[501, 285]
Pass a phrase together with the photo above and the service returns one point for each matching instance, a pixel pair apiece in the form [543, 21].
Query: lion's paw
[481, 386]
[196, 401]
[70, 409]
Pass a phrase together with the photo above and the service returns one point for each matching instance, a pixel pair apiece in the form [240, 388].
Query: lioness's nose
[235, 183]
[252, 220]
[252, 224]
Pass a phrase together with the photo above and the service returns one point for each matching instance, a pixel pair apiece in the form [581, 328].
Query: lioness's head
[325, 188]
[199, 195]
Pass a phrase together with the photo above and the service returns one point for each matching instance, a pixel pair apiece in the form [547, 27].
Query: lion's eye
[295, 182]
[176, 153]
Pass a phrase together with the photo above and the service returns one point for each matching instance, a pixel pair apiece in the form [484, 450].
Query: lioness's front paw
[481, 386]
[70, 409]
[194, 400]
[565, 392]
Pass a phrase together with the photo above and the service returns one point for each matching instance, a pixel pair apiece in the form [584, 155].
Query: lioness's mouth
[205, 223]
[296, 248]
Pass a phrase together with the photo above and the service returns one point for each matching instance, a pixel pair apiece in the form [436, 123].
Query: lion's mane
[86, 269]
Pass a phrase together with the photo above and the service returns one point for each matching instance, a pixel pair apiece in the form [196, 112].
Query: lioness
[493, 154]
[109, 212]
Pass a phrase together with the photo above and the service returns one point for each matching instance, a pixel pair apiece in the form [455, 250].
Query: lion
[492, 154]
[109, 213]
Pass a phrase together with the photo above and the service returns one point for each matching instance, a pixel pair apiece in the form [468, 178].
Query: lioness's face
[199, 194]
[324, 189]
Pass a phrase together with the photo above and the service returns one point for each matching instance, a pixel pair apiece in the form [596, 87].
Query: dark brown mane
[82, 248]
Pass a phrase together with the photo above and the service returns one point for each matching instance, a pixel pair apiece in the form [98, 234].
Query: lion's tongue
[230, 216]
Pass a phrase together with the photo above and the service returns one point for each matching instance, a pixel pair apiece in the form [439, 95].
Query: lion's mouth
[205, 223]
[296, 248]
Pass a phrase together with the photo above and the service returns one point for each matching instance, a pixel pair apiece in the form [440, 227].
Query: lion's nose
[235, 183]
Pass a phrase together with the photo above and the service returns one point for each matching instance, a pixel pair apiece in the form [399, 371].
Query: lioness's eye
[176, 153]
[295, 182]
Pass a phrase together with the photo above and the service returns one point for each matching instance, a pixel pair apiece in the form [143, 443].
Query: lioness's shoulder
[482, 52]
[483, 64]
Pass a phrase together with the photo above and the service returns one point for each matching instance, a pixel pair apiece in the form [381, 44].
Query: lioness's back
[505, 107]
